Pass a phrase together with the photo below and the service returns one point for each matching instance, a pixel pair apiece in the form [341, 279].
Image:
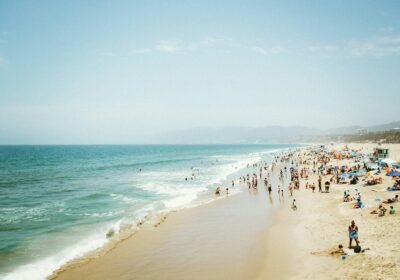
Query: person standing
[294, 206]
[353, 233]
[320, 184]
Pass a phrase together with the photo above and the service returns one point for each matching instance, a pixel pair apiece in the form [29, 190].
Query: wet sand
[220, 240]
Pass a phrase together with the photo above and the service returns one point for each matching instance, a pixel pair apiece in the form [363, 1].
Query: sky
[118, 71]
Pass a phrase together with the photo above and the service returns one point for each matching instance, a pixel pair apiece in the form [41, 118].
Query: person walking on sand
[291, 189]
[269, 189]
[353, 233]
[294, 206]
[320, 184]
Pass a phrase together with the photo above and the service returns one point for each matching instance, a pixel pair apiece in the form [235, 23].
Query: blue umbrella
[393, 173]
[396, 165]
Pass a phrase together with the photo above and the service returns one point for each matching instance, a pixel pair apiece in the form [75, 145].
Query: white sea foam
[176, 193]
[42, 268]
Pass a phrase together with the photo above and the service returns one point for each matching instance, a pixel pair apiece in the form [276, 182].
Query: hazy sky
[113, 71]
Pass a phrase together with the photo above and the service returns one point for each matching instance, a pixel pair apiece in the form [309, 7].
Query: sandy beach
[320, 224]
[254, 236]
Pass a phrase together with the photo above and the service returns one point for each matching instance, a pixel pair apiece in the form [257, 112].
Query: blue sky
[114, 71]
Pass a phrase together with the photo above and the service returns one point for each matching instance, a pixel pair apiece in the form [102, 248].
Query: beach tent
[372, 166]
[366, 160]
[387, 162]
[396, 165]
[393, 173]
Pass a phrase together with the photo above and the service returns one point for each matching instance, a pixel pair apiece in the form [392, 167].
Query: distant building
[381, 153]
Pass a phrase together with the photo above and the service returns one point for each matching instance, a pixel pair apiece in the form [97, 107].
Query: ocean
[58, 203]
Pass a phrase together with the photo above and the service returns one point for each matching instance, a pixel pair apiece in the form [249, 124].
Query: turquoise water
[60, 202]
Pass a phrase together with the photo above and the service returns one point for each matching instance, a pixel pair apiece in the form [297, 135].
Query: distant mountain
[236, 135]
[342, 130]
[251, 135]
[357, 128]
[384, 127]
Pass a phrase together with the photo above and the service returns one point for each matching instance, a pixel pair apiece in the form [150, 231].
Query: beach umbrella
[388, 161]
[396, 165]
[393, 173]
[372, 166]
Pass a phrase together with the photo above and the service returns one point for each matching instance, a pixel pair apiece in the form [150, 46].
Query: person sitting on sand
[358, 204]
[346, 196]
[354, 180]
[392, 211]
[380, 211]
[353, 233]
[339, 251]
[394, 188]
[392, 200]
[217, 191]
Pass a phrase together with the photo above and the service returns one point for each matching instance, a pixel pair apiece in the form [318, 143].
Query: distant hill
[267, 134]
[384, 127]
[342, 130]
[237, 135]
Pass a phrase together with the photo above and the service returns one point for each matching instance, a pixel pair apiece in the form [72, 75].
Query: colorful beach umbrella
[393, 174]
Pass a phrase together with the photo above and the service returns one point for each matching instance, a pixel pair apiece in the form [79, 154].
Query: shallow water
[59, 202]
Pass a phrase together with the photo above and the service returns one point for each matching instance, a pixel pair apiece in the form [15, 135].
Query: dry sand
[320, 224]
[247, 237]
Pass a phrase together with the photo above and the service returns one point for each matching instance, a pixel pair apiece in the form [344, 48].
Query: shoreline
[87, 243]
[291, 245]
[158, 222]
[150, 247]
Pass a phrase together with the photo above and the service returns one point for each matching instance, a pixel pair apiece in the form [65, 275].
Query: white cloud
[323, 48]
[140, 51]
[268, 51]
[218, 40]
[168, 46]
[378, 46]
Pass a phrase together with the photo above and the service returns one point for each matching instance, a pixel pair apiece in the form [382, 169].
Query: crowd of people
[317, 167]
